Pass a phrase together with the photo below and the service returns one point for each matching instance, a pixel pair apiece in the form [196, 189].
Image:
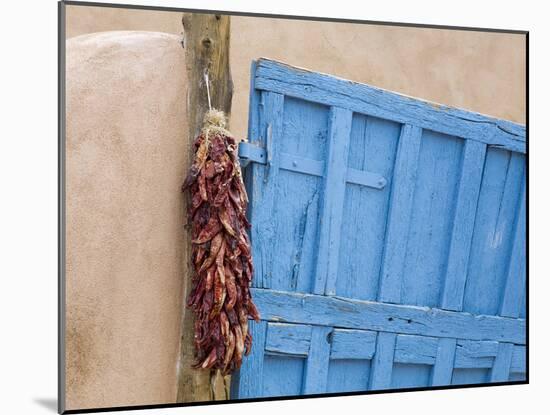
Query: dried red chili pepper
[222, 259]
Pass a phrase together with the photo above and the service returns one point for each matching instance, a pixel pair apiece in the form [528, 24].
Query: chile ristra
[221, 257]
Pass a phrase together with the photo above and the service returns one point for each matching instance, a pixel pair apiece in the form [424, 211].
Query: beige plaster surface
[482, 72]
[126, 156]
[477, 71]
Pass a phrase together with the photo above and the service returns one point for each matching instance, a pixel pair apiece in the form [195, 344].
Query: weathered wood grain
[463, 225]
[332, 205]
[442, 372]
[475, 354]
[348, 375]
[341, 312]
[294, 339]
[206, 44]
[365, 99]
[264, 194]
[503, 361]
[248, 382]
[373, 148]
[493, 236]
[353, 344]
[430, 221]
[316, 371]
[419, 350]
[404, 177]
[382, 364]
[515, 283]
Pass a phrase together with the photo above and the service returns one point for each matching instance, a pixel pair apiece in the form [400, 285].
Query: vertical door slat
[250, 376]
[515, 284]
[501, 367]
[382, 363]
[404, 178]
[444, 362]
[253, 136]
[264, 187]
[333, 201]
[316, 373]
[493, 251]
[463, 226]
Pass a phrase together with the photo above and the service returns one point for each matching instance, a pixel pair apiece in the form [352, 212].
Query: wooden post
[206, 44]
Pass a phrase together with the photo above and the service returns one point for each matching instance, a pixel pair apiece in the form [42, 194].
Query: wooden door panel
[388, 238]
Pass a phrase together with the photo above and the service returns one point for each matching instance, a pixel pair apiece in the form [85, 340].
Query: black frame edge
[61, 364]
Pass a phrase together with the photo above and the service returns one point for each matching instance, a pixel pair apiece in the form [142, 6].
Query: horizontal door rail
[295, 340]
[332, 91]
[339, 312]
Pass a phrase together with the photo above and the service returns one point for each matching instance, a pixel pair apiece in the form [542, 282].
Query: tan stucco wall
[479, 71]
[126, 157]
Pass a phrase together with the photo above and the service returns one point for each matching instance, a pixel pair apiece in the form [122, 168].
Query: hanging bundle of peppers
[221, 255]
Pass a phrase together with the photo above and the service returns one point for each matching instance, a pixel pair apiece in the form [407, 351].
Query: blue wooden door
[388, 238]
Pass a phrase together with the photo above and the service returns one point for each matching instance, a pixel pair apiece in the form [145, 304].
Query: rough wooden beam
[206, 45]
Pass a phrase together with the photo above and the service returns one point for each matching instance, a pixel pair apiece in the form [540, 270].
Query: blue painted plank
[305, 129]
[494, 232]
[283, 376]
[348, 375]
[332, 91]
[382, 364]
[519, 360]
[431, 218]
[332, 209]
[404, 177]
[316, 372]
[353, 344]
[340, 312]
[464, 362]
[291, 238]
[503, 361]
[442, 372]
[294, 243]
[250, 171]
[463, 225]
[304, 266]
[470, 376]
[410, 376]
[475, 354]
[373, 147]
[264, 189]
[418, 350]
[293, 339]
[515, 284]
[247, 383]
